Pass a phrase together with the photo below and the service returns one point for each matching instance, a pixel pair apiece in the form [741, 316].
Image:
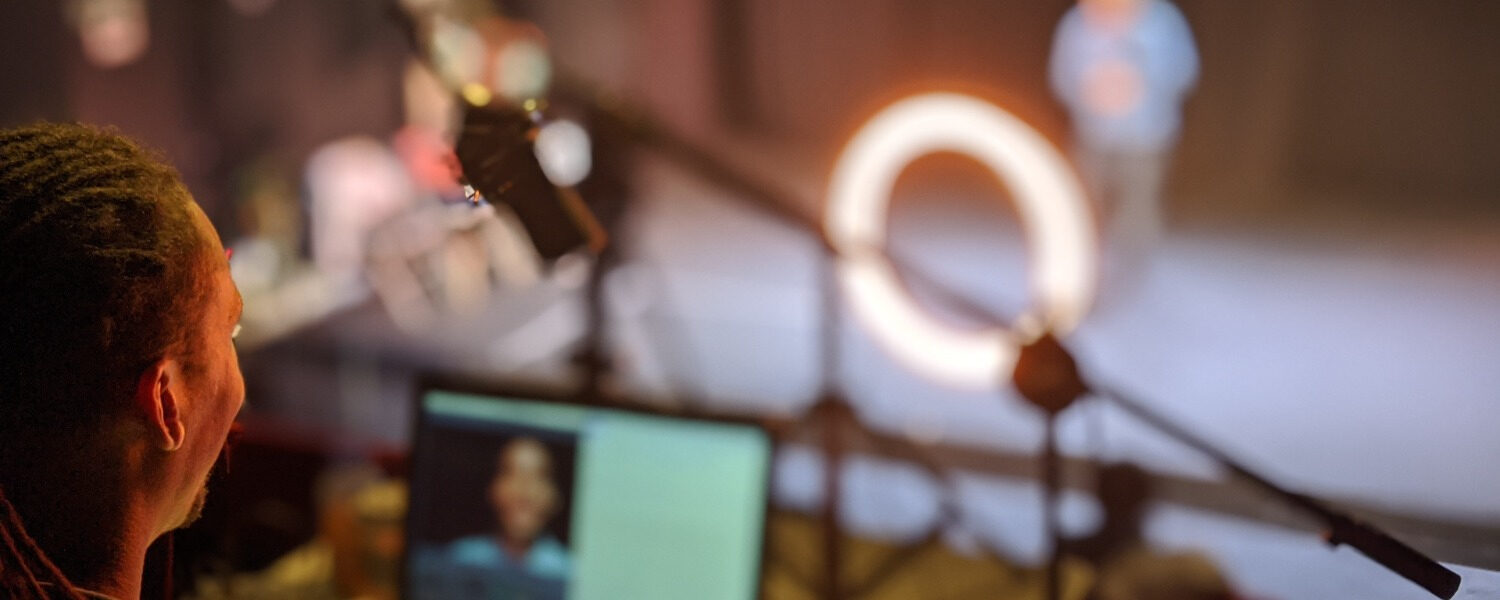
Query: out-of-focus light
[1052, 211]
[429, 158]
[457, 52]
[571, 271]
[564, 151]
[353, 184]
[477, 94]
[522, 70]
[114, 33]
[254, 265]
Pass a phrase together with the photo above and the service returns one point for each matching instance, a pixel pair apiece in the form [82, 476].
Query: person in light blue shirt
[520, 560]
[1123, 68]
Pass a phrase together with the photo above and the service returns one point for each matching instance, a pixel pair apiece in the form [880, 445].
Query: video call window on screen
[516, 497]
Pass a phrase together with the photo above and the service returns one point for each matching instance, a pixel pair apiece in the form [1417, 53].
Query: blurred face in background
[1112, 13]
[523, 492]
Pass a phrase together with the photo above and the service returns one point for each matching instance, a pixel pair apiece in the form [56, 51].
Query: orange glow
[114, 33]
[1052, 211]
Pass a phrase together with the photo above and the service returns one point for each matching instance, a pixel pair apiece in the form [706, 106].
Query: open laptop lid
[522, 494]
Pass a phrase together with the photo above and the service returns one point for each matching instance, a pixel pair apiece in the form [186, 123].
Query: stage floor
[1351, 359]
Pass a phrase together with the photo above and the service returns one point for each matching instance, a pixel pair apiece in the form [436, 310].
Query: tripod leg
[1051, 487]
[833, 459]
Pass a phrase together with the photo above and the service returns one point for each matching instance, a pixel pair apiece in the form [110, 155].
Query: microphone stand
[834, 417]
[832, 411]
[592, 357]
[1339, 528]
[1046, 375]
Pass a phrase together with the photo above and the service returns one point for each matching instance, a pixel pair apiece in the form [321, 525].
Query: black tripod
[1045, 374]
[1048, 377]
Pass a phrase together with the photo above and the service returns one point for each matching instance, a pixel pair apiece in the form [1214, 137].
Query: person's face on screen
[523, 492]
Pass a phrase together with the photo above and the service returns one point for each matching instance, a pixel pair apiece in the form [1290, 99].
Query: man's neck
[96, 532]
[86, 593]
[121, 576]
[123, 583]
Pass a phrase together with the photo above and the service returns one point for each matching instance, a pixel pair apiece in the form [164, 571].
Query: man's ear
[160, 404]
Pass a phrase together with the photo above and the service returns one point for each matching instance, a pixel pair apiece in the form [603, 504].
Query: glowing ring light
[1052, 210]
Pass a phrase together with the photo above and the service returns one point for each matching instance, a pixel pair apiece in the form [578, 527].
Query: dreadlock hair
[101, 271]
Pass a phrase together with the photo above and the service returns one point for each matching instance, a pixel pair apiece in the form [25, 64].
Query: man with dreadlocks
[119, 381]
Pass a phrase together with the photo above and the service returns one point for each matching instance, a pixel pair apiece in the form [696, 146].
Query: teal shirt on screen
[547, 557]
[476, 567]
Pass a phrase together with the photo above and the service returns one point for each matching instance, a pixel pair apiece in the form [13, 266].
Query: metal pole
[1051, 487]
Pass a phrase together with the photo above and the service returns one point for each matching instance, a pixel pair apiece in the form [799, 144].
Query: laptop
[521, 495]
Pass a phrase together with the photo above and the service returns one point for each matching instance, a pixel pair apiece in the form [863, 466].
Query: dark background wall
[1383, 106]
[1378, 107]
[215, 90]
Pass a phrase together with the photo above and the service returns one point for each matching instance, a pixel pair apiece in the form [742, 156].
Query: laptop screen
[521, 497]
